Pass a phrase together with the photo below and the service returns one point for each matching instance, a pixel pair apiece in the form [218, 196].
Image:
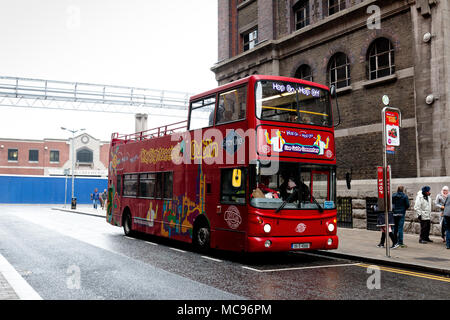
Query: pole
[65, 191]
[387, 193]
[73, 161]
[385, 188]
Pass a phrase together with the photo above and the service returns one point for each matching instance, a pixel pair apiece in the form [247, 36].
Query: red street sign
[392, 122]
[390, 149]
[380, 182]
[381, 187]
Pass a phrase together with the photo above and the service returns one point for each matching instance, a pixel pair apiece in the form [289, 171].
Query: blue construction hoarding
[47, 190]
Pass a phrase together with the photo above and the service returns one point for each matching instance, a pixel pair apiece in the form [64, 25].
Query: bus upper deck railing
[162, 131]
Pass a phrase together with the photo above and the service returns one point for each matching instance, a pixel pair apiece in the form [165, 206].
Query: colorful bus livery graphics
[295, 143]
[253, 169]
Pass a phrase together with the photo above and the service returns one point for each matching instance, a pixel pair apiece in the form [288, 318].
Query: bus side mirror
[237, 178]
[348, 179]
[333, 91]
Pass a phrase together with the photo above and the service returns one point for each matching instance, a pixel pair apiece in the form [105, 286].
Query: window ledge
[244, 4]
[383, 80]
[344, 90]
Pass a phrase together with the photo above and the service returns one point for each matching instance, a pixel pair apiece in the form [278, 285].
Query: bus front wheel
[201, 237]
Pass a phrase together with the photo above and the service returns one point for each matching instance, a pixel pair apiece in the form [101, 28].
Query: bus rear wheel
[201, 237]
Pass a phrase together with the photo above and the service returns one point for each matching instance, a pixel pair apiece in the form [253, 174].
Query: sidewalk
[86, 209]
[360, 244]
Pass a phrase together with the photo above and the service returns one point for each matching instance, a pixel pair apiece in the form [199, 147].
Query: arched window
[304, 72]
[380, 58]
[85, 156]
[339, 70]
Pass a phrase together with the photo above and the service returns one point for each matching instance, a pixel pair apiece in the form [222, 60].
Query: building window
[301, 14]
[335, 6]
[381, 59]
[13, 155]
[304, 72]
[33, 155]
[54, 155]
[250, 39]
[85, 156]
[339, 71]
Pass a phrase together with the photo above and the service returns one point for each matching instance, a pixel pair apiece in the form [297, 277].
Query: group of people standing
[97, 198]
[422, 208]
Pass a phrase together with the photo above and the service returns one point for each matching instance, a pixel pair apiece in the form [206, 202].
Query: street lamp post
[73, 159]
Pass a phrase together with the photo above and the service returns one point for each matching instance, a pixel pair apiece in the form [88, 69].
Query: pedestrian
[104, 198]
[440, 202]
[95, 198]
[422, 207]
[381, 222]
[400, 204]
[447, 221]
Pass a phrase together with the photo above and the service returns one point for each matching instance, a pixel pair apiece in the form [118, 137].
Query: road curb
[416, 267]
[80, 212]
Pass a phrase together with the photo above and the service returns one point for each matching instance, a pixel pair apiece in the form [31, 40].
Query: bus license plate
[301, 245]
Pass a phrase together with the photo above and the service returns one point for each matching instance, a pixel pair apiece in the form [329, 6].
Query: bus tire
[201, 236]
[127, 223]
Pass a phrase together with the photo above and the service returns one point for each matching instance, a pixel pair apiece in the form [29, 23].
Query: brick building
[406, 56]
[50, 157]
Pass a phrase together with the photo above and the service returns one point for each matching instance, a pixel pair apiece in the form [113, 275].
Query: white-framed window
[335, 6]
[381, 61]
[301, 14]
[250, 39]
[339, 70]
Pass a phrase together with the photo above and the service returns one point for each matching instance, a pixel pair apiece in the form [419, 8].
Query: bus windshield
[293, 185]
[292, 102]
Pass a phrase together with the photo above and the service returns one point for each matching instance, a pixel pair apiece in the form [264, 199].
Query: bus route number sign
[392, 122]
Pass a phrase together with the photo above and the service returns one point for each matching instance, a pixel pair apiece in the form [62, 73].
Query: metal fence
[344, 212]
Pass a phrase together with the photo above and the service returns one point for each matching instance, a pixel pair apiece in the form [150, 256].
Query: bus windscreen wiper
[317, 203]
[285, 202]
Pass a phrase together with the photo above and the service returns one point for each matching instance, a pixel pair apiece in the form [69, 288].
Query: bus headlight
[267, 244]
[330, 241]
[331, 227]
[267, 228]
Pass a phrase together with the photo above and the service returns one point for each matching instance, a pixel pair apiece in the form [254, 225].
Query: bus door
[231, 211]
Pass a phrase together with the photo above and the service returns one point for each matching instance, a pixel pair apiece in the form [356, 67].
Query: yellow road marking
[405, 272]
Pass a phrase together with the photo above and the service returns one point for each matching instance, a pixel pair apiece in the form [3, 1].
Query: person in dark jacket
[400, 203]
[381, 222]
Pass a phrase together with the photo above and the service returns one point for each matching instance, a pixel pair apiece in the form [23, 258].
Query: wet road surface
[63, 255]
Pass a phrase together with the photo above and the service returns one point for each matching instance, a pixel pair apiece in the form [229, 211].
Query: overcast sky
[156, 44]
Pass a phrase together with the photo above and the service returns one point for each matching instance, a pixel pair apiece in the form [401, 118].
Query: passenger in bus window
[288, 190]
[293, 117]
[220, 113]
[306, 119]
[269, 193]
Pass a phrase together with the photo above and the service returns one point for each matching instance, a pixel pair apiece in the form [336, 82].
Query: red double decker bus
[252, 169]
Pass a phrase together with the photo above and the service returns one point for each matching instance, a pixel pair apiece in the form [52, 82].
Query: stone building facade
[368, 48]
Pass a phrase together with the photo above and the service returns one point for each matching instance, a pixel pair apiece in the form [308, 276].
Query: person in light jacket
[440, 202]
[447, 221]
[422, 207]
